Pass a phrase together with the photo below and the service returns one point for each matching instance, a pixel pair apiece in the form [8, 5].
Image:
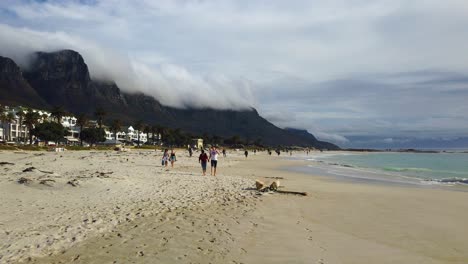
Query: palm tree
[138, 126]
[99, 114]
[30, 119]
[21, 115]
[9, 118]
[116, 126]
[57, 112]
[3, 117]
[44, 117]
[147, 130]
[82, 121]
[162, 132]
[154, 130]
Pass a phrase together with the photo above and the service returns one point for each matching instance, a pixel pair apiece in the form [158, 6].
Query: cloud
[172, 84]
[349, 68]
[335, 138]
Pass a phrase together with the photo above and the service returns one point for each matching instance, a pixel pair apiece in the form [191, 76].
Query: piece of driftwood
[6, 163]
[48, 172]
[47, 182]
[73, 182]
[292, 192]
[277, 178]
[24, 180]
[29, 169]
[104, 174]
[274, 186]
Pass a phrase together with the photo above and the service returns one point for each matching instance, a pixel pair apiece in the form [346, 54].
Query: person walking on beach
[224, 152]
[190, 151]
[165, 158]
[246, 153]
[203, 160]
[173, 158]
[214, 160]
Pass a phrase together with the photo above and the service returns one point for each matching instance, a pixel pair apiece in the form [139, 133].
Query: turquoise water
[436, 167]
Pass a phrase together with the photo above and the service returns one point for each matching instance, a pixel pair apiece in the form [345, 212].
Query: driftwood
[104, 174]
[292, 192]
[47, 182]
[48, 172]
[6, 163]
[73, 182]
[277, 178]
[29, 169]
[24, 180]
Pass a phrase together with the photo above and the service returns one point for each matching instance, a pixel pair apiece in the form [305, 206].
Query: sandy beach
[123, 207]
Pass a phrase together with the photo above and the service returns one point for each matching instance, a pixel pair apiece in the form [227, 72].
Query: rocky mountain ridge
[62, 78]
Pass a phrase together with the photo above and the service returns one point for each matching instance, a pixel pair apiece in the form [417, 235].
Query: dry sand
[126, 208]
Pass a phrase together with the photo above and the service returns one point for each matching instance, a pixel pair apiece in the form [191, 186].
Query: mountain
[14, 89]
[62, 79]
[306, 136]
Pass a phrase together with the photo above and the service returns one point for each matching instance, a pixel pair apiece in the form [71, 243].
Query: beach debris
[28, 169]
[275, 185]
[259, 185]
[6, 163]
[73, 182]
[47, 182]
[48, 172]
[104, 174]
[24, 180]
[292, 192]
[276, 178]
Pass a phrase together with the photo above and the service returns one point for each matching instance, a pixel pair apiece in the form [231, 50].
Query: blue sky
[388, 70]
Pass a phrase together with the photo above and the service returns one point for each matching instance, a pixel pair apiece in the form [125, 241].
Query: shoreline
[339, 222]
[341, 169]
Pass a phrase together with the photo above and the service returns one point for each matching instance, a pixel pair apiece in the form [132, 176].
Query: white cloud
[331, 137]
[333, 66]
[173, 85]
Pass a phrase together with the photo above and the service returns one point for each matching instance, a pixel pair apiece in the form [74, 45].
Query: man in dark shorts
[214, 160]
[203, 160]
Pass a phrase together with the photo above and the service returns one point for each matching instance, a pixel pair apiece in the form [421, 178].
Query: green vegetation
[93, 135]
[79, 148]
[49, 131]
[26, 147]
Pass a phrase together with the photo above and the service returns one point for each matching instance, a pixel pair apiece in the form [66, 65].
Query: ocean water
[419, 168]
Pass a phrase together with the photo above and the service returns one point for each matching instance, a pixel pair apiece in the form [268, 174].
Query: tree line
[49, 128]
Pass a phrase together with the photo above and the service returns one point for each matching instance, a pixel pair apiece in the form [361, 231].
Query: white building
[131, 135]
[16, 132]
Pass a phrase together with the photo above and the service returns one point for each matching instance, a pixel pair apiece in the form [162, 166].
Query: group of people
[203, 159]
[213, 157]
[168, 157]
